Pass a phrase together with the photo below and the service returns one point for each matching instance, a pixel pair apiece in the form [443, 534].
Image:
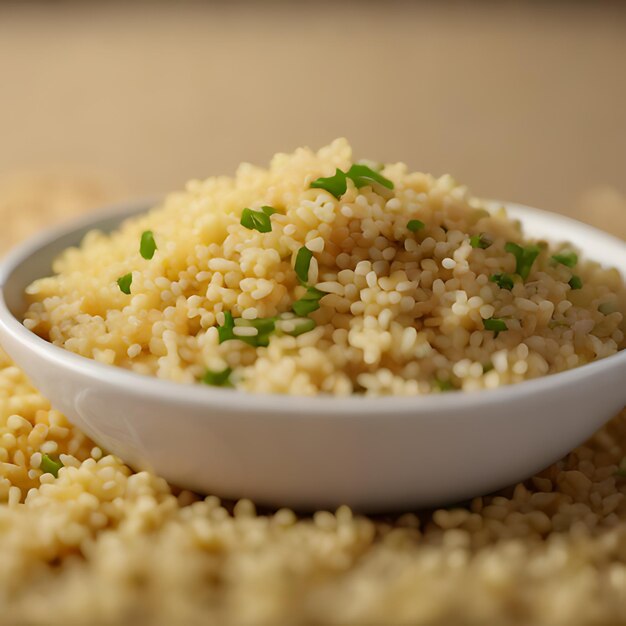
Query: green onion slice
[218, 379]
[495, 324]
[309, 302]
[147, 246]
[265, 327]
[524, 257]
[303, 261]
[569, 259]
[124, 283]
[256, 220]
[296, 326]
[415, 225]
[504, 281]
[483, 240]
[336, 185]
[362, 175]
[575, 282]
[269, 210]
[225, 332]
[50, 466]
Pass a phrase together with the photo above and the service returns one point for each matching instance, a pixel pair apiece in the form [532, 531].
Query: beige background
[523, 101]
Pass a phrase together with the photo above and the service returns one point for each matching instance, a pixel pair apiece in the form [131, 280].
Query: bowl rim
[275, 404]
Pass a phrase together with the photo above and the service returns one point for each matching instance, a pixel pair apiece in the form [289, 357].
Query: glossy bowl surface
[374, 454]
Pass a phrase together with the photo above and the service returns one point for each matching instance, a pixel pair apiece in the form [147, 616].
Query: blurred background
[523, 101]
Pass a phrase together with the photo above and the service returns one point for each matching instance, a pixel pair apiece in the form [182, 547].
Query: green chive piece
[444, 385]
[303, 261]
[487, 367]
[304, 307]
[524, 257]
[336, 185]
[269, 210]
[309, 302]
[256, 220]
[504, 281]
[225, 332]
[297, 326]
[569, 259]
[415, 225]
[575, 282]
[265, 327]
[481, 241]
[263, 324]
[50, 466]
[124, 283]
[495, 324]
[148, 246]
[361, 175]
[218, 379]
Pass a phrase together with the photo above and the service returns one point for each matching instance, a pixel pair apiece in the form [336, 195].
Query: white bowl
[372, 454]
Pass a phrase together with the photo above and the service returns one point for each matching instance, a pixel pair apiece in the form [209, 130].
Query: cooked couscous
[100, 544]
[322, 275]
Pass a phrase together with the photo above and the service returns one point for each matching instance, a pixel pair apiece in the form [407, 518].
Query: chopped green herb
[481, 241]
[124, 283]
[621, 470]
[256, 220]
[225, 332]
[568, 259]
[296, 326]
[415, 225]
[362, 175]
[504, 281]
[495, 324]
[269, 210]
[575, 282]
[50, 466]
[264, 326]
[487, 367]
[336, 185]
[147, 246]
[524, 257]
[218, 379]
[444, 384]
[304, 307]
[309, 302]
[303, 261]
